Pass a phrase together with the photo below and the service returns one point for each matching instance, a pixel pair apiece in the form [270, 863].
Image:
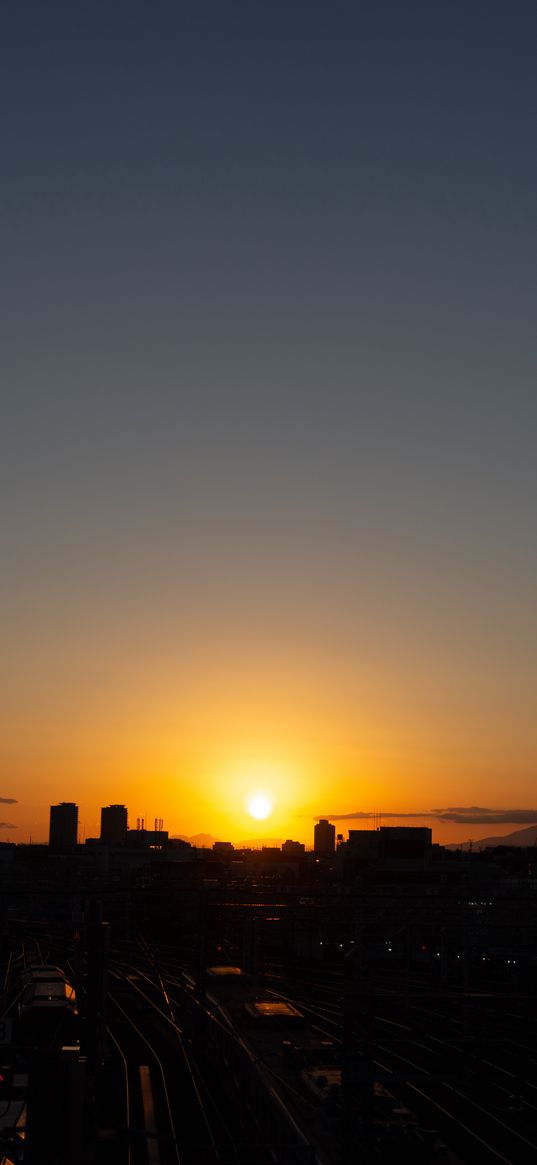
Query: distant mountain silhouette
[199, 840]
[521, 837]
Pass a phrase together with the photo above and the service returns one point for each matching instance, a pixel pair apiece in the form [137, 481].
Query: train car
[48, 1012]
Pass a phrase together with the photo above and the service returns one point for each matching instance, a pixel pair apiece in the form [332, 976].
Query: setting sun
[259, 806]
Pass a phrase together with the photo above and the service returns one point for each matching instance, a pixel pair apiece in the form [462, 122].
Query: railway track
[484, 1102]
[463, 1063]
[206, 1130]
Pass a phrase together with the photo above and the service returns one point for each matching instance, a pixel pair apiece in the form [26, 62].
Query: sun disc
[259, 806]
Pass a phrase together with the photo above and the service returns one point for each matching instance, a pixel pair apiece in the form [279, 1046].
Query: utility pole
[357, 1076]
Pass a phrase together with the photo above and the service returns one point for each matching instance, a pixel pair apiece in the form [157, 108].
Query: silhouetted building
[389, 847]
[63, 832]
[148, 838]
[223, 847]
[324, 837]
[293, 849]
[114, 824]
[405, 842]
[364, 844]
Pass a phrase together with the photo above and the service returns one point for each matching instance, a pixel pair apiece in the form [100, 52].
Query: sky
[267, 452]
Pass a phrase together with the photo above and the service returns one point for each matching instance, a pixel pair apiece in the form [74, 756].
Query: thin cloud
[7, 825]
[8, 801]
[459, 815]
[360, 816]
[490, 816]
[467, 809]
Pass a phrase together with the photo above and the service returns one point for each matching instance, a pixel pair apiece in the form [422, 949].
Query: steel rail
[127, 1088]
[161, 1069]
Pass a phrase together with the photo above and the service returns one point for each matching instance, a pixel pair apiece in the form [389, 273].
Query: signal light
[6, 1081]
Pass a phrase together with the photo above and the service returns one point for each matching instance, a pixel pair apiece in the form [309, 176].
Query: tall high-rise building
[63, 832]
[114, 824]
[324, 837]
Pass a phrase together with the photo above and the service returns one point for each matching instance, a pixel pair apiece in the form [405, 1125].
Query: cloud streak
[359, 815]
[489, 816]
[8, 801]
[457, 815]
[7, 825]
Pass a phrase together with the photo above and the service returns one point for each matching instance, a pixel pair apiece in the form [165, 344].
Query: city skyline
[268, 451]
[455, 825]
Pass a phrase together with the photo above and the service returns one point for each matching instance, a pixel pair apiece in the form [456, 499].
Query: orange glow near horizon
[193, 748]
[209, 789]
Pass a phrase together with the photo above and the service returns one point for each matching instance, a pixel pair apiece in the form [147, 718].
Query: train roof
[48, 991]
[45, 971]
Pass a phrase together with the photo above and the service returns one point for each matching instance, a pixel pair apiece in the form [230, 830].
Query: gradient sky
[268, 437]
